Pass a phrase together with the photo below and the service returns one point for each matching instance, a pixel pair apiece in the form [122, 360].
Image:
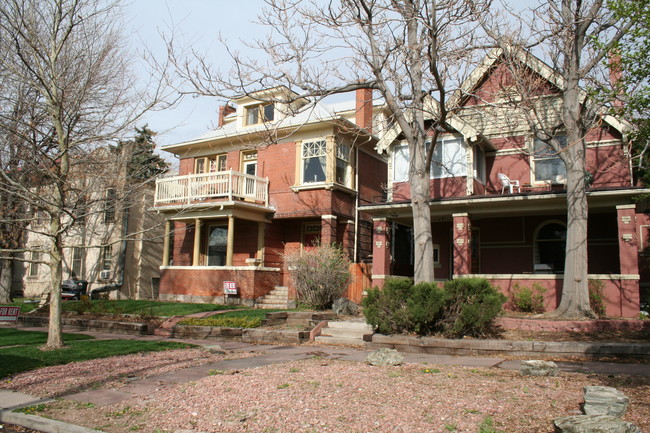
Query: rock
[215, 348]
[385, 357]
[538, 368]
[603, 400]
[593, 424]
[345, 307]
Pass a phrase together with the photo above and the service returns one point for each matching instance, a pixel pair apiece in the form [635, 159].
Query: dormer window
[261, 113]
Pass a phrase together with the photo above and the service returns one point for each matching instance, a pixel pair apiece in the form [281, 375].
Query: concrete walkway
[264, 355]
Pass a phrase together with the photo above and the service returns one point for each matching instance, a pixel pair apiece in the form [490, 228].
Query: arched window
[550, 247]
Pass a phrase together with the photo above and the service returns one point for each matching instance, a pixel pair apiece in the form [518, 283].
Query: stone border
[247, 335]
[534, 349]
[572, 325]
[129, 328]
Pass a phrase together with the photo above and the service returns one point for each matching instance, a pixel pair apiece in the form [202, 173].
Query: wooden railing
[223, 184]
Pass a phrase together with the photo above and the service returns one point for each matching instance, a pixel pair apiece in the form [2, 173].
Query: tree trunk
[423, 270]
[55, 336]
[6, 277]
[575, 289]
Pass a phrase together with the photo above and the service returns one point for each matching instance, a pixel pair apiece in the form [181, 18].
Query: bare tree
[575, 36]
[411, 51]
[71, 55]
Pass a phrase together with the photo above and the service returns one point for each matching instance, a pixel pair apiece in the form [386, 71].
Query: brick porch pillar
[328, 229]
[628, 250]
[380, 251]
[462, 235]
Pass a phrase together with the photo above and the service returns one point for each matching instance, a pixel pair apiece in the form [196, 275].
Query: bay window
[449, 159]
[314, 161]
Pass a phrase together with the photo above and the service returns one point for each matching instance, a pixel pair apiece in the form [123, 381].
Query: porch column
[380, 251]
[165, 259]
[261, 227]
[196, 257]
[628, 250]
[231, 240]
[328, 229]
[462, 235]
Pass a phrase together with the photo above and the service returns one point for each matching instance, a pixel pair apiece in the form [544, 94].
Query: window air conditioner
[105, 275]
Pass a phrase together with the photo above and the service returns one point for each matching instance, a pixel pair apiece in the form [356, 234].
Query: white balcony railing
[223, 184]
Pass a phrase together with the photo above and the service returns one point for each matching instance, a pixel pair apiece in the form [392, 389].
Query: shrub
[321, 274]
[528, 300]
[597, 297]
[471, 308]
[465, 306]
[386, 309]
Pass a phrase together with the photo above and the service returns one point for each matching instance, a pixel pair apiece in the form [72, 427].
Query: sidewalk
[266, 354]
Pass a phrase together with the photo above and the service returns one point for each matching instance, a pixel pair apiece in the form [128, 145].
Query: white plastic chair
[507, 182]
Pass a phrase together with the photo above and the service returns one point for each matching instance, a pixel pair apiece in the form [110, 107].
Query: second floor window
[210, 164]
[34, 263]
[449, 159]
[343, 167]
[259, 114]
[314, 161]
[548, 165]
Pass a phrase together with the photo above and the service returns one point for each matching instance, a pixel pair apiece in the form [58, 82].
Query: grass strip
[15, 337]
[129, 306]
[232, 319]
[24, 358]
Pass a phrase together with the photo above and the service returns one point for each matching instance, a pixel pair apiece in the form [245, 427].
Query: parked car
[71, 290]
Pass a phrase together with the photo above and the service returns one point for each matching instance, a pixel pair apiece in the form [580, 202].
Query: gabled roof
[536, 65]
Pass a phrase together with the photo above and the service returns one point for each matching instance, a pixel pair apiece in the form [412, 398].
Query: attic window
[259, 114]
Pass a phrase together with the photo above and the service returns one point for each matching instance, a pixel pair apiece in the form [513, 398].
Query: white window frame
[34, 263]
[106, 262]
[343, 154]
[319, 150]
[448, 167]
[550, 155]
[80, 260]
[262, 113]
[479, 164]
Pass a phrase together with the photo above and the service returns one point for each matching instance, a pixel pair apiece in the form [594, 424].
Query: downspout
[356, 205]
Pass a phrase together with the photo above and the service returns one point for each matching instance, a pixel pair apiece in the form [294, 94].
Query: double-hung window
[449, 159]
[314, 161]
[106, 258]
[210, 164]
[77, 262]
[549, 166]
[34, 263]
[343, 167]
[260, 113]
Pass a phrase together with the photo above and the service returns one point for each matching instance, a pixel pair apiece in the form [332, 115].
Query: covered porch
[517, 240]
[209, 247]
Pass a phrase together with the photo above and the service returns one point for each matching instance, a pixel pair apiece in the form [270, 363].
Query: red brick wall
[183, 244]
[446, 187]
[373, 173]
[186, 166]
[209, 282]
[245, 243]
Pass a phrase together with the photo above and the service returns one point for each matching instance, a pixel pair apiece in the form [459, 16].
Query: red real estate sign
[8, 314]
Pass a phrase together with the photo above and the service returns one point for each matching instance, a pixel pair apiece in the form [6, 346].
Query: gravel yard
[323, 395]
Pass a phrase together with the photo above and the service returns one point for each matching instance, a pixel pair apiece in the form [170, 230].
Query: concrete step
[274, 296]
[269, 306]
[343, 333]
[265, 300]
[280, 289]
[321, 339]
[359, 326]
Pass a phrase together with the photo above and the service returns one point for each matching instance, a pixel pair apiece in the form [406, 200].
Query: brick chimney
[224, 110]
[363, 116]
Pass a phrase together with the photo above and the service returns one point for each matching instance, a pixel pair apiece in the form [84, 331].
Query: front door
[217, 241]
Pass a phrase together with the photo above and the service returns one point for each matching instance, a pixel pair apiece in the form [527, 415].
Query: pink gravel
[319, 395]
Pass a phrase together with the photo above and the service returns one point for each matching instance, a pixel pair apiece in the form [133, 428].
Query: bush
[472, 306]
[321, 275]
[597, 297]
[528, 300]
[465, 306]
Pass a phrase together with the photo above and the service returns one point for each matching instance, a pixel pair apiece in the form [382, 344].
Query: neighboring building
[280, 173]
[482, 227]
[114, 241]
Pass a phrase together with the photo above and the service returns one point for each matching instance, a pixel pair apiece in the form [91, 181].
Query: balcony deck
[205, 187]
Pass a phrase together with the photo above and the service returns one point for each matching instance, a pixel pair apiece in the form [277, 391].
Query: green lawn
[28, 356]
[140, 307]
[15, 337]
[232, 319]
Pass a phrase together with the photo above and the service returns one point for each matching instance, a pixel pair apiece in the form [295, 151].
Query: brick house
[514, 233]
[279, 173]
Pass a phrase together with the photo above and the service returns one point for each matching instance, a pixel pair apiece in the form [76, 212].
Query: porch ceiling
[503, 205]
[223, 209]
